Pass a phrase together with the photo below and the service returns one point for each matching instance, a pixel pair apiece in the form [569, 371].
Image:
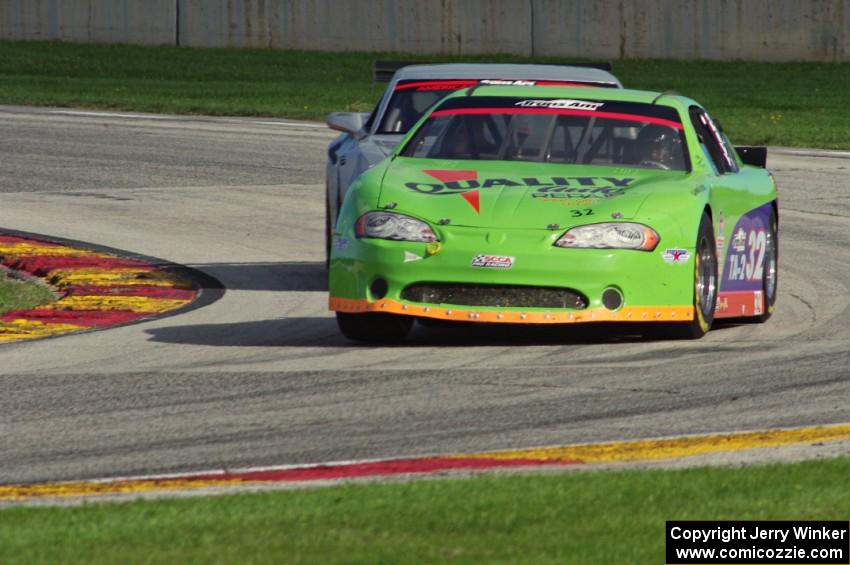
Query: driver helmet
[660, 144]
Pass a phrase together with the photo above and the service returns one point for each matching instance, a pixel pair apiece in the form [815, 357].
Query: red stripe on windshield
[438, 85]
[560, 111]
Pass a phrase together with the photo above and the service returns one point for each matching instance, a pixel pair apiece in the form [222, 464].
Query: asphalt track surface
[261, 376]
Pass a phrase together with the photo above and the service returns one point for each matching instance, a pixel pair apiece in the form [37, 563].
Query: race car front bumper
[371, 275]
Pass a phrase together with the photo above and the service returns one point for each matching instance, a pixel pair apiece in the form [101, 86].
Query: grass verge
[593, 517]
[16, 294]
[793, 104]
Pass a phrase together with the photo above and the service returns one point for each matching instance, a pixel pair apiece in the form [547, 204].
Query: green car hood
[517, 194]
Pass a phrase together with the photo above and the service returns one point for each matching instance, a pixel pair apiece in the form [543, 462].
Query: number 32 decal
[757, 243]
[749, 267]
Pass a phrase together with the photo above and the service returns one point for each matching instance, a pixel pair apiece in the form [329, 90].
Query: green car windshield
[412, 98]
[553, 131]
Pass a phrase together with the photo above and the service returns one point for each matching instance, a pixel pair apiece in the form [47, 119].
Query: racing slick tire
[374, 327]
[705, 287]
[770, 269]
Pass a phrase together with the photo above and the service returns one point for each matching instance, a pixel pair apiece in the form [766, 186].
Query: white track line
[110, 115]
[803, 152]
[118, 115]
[241, 470]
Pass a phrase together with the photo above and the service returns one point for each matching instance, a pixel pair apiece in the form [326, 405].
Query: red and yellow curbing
[95, 289]
[611, 452]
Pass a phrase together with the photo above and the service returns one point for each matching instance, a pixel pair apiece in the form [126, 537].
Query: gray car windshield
[548, 134]
[407, 106]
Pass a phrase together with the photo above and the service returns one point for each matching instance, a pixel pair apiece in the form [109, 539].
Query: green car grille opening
[494, 296]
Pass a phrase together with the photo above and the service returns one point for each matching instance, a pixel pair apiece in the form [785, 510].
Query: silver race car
[369, 138]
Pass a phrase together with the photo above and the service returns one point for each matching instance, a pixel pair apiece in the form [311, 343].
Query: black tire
[705, 287]
[374, 327]
[770, 269]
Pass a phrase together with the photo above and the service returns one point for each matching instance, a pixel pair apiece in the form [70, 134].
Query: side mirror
[347, 122]
[755, 156]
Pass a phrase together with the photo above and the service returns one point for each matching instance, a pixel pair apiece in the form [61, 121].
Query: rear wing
[600, 66]
[383, 70]
[755, 156]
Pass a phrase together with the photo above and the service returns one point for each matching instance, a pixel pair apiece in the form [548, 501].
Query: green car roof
[619, 94]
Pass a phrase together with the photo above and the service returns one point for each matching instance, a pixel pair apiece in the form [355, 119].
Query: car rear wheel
[705, 286]
[374, 327]
[770, 269]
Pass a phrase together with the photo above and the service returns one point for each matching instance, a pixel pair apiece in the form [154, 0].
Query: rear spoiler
[755, 156]
[601, 66]
[383, 71]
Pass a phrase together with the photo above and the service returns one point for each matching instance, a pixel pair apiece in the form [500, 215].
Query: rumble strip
[95, 289]
[224, 480]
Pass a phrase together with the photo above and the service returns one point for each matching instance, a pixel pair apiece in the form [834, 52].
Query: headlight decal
[393, 226]
[610, 235]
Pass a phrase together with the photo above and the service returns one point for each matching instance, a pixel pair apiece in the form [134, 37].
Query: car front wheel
[374, 327]
[705, 287]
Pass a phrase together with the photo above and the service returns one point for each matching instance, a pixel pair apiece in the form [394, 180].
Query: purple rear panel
[745, 252]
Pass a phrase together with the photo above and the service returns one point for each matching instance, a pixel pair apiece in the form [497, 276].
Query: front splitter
[472, 314]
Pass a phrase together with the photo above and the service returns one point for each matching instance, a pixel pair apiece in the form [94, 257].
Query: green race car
[558, 205]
